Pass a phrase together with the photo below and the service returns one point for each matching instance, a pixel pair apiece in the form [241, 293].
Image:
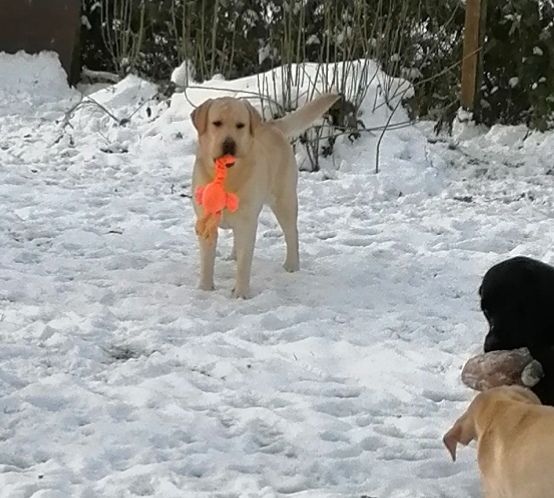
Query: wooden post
[480, 55]
[473, 38]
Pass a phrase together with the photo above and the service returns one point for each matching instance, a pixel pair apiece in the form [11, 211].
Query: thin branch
[99, 75]
[378, 148]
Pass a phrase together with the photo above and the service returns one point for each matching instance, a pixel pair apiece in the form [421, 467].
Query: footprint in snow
[434, 468]
[339, 409]
[351, 242]
[334, 437]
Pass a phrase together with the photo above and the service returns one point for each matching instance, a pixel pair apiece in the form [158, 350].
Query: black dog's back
[517, 298]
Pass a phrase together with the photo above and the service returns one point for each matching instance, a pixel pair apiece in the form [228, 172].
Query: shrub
[518, 78]
[419, 40]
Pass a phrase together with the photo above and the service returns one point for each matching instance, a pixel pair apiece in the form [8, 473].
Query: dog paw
[291, 266]
[206, 286]
[240, 293]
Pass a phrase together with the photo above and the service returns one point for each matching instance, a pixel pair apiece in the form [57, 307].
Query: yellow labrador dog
[265, 172]
[515, 442]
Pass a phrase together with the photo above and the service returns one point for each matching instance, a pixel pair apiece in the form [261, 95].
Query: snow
[119, 378]
[183, 74]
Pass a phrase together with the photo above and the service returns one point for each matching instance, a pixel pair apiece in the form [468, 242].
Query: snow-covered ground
[118, 378]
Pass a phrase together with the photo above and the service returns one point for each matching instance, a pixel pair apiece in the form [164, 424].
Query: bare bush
[357, 45]
[347, 39]
[123, 32]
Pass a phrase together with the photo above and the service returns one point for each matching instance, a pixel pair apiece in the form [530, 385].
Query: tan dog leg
[207, 261]
[287, 214]
[244, 240]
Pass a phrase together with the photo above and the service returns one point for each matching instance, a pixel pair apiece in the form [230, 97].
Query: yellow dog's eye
[240, 125]
[217, 124]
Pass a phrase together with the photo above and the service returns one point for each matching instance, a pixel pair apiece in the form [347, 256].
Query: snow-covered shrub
[418, 40]
[432, 55]
[518, 79]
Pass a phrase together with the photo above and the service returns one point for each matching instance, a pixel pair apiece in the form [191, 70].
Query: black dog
[517, 298]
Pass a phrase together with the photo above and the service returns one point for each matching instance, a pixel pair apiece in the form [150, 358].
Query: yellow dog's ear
[463, 432]
[199, 116]
[255, 118]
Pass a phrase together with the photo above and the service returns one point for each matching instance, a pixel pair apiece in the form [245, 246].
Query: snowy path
[118, 378]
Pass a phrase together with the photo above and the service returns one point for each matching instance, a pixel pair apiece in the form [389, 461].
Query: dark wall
[35, 25]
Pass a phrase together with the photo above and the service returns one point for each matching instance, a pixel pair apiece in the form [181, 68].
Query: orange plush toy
[215, 199]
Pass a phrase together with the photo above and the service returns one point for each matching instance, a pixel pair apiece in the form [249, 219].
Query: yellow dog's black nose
[229, 147]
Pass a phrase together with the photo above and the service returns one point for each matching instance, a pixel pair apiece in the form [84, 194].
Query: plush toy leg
[232, 203]
[207, 225]
[198, 195]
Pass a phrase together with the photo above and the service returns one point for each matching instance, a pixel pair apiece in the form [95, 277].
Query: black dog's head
[516, 298]
[508, 317]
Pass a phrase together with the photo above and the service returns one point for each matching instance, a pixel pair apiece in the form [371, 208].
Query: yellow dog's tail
[298, 121]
